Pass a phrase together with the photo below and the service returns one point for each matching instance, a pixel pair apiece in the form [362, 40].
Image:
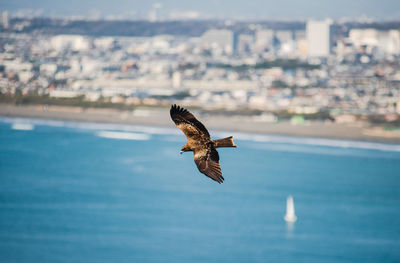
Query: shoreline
[159, 117]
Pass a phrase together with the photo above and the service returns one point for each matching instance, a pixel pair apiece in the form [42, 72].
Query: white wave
[22, 126]
[33, 121]
[123, 135]
[96, 126]
[338, 143]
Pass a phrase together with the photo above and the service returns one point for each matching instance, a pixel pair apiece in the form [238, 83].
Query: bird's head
[185, 148]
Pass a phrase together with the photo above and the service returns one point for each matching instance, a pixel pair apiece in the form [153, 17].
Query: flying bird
[199, 142]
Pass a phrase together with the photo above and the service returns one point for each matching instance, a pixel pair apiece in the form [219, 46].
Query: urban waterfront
[325, 70]
[90, 169]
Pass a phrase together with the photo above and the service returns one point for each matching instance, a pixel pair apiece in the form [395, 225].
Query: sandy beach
[160, 117]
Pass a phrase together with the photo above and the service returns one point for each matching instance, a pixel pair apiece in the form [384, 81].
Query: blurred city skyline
[321, 71]
[222, 9]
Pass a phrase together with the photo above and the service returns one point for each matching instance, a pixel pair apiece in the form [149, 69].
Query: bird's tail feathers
[225, 142]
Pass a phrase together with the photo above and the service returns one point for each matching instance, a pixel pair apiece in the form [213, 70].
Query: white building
[48, 69]
[264, 39]
[387, 42]
[176, 80]
[73, 42]
[16, 66]
[65, 93]
[361, 37]
[4, 19]
[318, 38]
[104, 43]
[218, 39]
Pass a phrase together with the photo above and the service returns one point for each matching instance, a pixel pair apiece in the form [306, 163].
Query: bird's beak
[181, 152]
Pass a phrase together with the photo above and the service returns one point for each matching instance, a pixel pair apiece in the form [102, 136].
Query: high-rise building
[154, 14]
[176, 80]
[264, 39]
[393, 45]
[4, 19]
[318, 38]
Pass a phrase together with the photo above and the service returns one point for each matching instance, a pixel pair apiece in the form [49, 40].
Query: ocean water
[82, 192]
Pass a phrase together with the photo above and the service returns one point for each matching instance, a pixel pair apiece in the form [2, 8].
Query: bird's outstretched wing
[207, 161]
[191, 127]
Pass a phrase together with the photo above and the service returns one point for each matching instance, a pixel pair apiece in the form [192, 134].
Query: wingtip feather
[175, 109]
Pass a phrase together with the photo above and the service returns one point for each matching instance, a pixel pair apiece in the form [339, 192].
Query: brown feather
[207, 161]
[185, 121]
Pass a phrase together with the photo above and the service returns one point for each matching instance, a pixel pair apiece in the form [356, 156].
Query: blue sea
[86, 192]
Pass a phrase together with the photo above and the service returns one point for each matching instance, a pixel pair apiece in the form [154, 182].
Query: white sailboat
[290, 216]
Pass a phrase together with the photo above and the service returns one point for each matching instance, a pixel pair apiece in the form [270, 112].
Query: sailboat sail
[290, 215]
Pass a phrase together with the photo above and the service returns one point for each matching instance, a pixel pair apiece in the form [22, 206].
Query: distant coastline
[160, 117]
